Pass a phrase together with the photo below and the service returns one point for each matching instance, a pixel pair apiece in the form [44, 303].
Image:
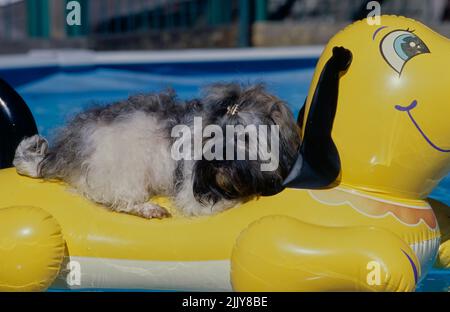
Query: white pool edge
[64, 58]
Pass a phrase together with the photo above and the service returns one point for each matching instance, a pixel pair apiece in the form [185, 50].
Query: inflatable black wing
[16, 122]
[318, 164]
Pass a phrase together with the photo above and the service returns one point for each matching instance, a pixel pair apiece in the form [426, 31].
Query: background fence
[46, 19]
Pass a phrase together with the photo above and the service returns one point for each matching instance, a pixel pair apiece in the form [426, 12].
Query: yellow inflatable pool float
[373, 229]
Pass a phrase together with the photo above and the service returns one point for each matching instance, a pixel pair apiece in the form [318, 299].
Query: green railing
[121, 16]
[43, 18]
[111, 17]
[38, 18]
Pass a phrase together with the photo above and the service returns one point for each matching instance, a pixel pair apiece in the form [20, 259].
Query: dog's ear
[318, 163]
[215, 180]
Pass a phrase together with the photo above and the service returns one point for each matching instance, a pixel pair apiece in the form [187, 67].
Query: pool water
[55, 98]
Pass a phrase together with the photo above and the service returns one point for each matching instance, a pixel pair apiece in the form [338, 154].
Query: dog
[121, 155]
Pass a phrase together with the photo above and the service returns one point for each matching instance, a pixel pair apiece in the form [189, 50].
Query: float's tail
[16, 123]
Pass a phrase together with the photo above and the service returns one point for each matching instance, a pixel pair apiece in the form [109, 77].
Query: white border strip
[104, 273]
[39, 58]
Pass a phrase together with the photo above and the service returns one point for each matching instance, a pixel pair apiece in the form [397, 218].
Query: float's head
[392, 125]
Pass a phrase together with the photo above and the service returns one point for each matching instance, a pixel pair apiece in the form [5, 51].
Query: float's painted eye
[400, 46]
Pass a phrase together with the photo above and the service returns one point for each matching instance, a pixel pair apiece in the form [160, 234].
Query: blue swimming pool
[59, 89]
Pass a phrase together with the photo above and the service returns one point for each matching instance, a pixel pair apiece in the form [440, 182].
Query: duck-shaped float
[354, 215]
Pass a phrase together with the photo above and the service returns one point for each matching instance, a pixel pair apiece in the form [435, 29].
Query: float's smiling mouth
[408, 109]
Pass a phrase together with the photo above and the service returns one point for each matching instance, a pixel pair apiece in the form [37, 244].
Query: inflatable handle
[16, 122]
[31, 249]
[280, 253]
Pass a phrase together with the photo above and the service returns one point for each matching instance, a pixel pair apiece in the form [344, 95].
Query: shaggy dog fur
[120, 155]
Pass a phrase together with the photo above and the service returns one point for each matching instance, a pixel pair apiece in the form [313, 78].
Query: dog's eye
[400, 46]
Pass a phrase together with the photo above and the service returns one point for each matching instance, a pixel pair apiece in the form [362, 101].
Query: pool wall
[22, 69]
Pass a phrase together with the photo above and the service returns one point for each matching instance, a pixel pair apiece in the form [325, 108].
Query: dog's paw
[29, 154]
[151, 211]
[32, 146]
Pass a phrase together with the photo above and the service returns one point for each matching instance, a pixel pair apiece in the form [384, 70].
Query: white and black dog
[120, 155]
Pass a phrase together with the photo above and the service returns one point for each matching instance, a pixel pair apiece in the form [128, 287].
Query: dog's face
[260, 144]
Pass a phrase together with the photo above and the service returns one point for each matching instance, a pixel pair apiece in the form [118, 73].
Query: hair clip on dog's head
[233, 110]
